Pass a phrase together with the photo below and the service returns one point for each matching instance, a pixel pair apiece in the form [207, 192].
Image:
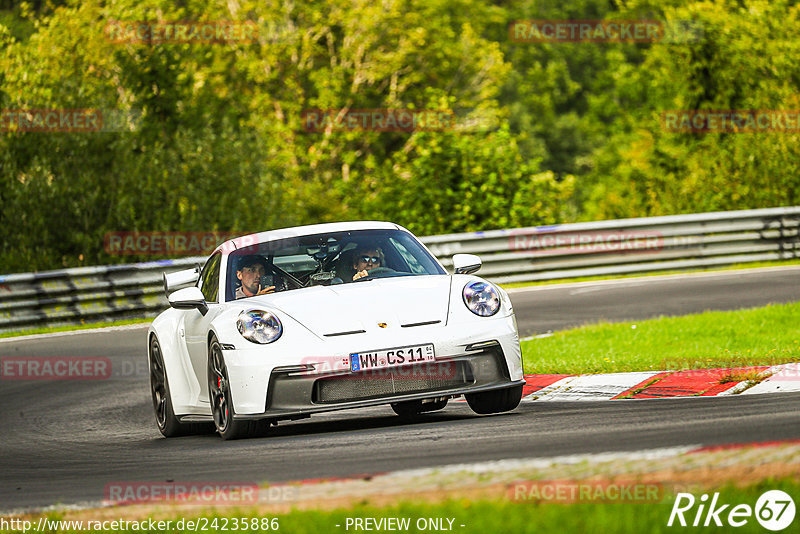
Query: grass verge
[70, 328]
[742, 338]
[506, 515]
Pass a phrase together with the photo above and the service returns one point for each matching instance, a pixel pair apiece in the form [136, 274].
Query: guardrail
[91, 294]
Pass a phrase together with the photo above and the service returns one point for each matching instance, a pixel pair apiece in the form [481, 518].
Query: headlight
[259, 326]
[481, 298]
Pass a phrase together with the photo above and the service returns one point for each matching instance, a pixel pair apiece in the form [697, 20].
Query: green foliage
[565, 131]
[456, 183]
[743, 61]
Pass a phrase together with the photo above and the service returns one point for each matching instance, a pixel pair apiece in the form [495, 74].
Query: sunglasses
[373, 259]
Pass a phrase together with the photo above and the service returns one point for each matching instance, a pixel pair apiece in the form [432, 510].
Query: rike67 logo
[774, 510]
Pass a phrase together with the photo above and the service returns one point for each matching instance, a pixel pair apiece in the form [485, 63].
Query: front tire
[168, 424]
[219, 395]
[497, 401]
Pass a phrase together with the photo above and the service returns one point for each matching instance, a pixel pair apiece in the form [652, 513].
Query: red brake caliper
[219, 385]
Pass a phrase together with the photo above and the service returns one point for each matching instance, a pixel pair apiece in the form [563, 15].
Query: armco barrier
[91, 294]
[85, 294]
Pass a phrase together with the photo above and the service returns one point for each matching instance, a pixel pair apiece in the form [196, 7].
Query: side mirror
[466, 263]
[188, 298]
[180, 278]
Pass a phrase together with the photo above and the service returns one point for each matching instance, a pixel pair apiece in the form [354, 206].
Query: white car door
[196, 324]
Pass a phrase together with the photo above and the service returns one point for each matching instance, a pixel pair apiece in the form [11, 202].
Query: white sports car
[286, 323]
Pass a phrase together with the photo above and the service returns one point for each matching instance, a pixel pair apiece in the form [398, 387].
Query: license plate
[379, 359]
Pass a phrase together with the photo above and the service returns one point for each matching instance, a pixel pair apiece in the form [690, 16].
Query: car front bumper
[286, 385]
[294, 394]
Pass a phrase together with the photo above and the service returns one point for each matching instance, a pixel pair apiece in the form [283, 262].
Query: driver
[366, 259]
[250, 270]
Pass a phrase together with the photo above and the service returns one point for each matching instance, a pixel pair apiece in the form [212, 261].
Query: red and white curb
[661, 384]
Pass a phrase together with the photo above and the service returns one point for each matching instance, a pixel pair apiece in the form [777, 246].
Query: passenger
[365, 259]
[249, 271]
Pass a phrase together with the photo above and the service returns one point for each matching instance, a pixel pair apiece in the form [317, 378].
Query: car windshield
[326, 259]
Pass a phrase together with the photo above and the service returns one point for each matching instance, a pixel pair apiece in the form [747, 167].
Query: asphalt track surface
[543, 308]
[63, 441]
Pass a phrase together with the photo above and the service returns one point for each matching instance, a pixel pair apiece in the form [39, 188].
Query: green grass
[505, 515]
[70, 328]
[734, 267]
[759, 336]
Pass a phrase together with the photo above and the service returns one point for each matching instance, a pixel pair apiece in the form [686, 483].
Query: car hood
[347, 308]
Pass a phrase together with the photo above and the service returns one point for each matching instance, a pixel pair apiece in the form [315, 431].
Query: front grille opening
[432, 376]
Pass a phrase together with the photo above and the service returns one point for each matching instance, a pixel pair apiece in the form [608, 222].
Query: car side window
[209, 278]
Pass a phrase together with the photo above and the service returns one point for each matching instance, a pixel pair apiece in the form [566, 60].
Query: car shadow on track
[336, 424]
[298, 428]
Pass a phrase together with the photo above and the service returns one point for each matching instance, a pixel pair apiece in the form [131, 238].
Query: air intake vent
[411, 325]
[387, 382]
[334, 334]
